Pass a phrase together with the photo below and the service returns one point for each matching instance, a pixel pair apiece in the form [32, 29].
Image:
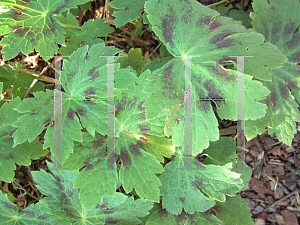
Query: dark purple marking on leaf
[126, 9]
[89, 91]
[68, 212]
[10, 156]
[59, 185]
[205, 20]
[291, 84]
[16, 27]
[72, 74]
[48, 32]
[93, 73]
[289, 29]
[41, 217]
[33, 112]
[30, 34]
[125, 158]
[144, 128]
[8, 205]
[214, 25]
[135, 149]
[71, 114]
[213, 92]
[166, 77]
[186, 19]
[199, 165]
[203, 105]
[107, 210]
[57, 11]
[59, 179]
[89, 167]
[87, 57]
[295, 57]
[111, 220]
[32, 40]
[167, 29]
[272, 8]
[284, 91]
[81, 111]
[99, 142]
[199, 182]
[225, 44]
[181, 199]
[29, 213]
[21, 32]
[219, 37]
[140, 106]
[294, 42]
[81, 43]
[182, 217]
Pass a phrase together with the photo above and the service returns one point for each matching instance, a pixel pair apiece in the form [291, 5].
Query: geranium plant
[158, 185]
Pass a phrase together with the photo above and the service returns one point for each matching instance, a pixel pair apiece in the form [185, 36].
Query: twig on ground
[283, 198]
[37, 78]
[43, 78]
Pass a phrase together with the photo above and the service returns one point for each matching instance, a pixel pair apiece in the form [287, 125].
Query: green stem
[218, 3]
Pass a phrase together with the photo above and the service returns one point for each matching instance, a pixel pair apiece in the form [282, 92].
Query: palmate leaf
[95, 179]
[29, 25]
[34, 214]
[233, 211]
[191, 30]
[19, 80]
[196, 188]
[21, 154]
[285, 85]
[82, 76]
[161, 217]
[77, 36]
[130, 10]
[62, 204]
[138, 166]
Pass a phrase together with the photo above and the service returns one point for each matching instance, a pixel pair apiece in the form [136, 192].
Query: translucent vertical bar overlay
[188, 139]
[110, 125]
[57, 115]
[240, 141]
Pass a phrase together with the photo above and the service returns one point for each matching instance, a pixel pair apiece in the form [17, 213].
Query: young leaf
[21, 154]
[161, 217]
[77, 36]
[63, 201]
[191, 30]
[281, 32]
[130, 10]
[19, 80]
[233, 211]
[199, 185]
[34, 214]
[95, 179]
[29, 25]
[134, 59]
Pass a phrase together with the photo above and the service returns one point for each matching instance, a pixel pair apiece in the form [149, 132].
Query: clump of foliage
[149, 117]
